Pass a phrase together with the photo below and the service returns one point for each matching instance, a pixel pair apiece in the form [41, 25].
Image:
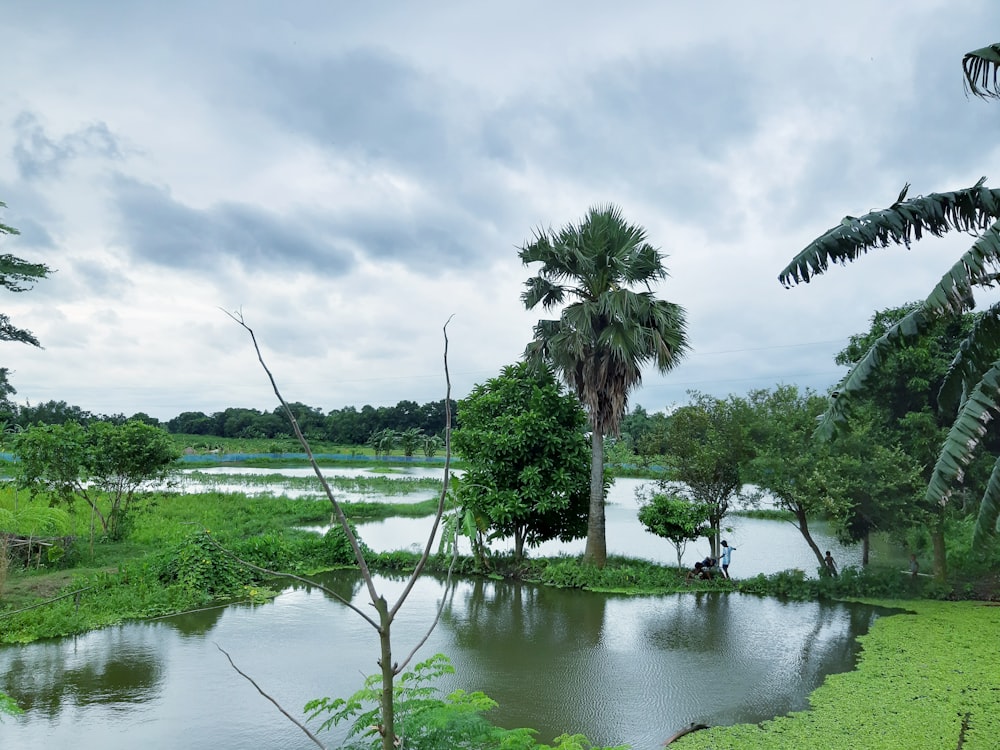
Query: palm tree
[607, 332]
[972, 385]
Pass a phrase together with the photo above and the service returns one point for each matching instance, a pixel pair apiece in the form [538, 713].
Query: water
[620, 669]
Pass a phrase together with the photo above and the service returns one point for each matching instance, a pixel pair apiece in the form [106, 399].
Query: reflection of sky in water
[619, 668]
[188, 481]
[761, 546]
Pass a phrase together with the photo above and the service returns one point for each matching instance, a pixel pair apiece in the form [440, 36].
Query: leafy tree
[607, 332]
[788, 463]
[899, 409]
[17, 275]
[973, 382]
[409, 440]
[708, 450]
[860, 483]
[676, 519]
[102, 464]
[431, 444]
[191, 423]
[383, 441]
[526, 455]
[52, 412]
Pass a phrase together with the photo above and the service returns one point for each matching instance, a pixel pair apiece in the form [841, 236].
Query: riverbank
[925, 679]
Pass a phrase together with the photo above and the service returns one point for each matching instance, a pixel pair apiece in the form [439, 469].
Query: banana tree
[972, 385]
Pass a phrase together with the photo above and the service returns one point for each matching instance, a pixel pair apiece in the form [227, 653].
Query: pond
[620, 669]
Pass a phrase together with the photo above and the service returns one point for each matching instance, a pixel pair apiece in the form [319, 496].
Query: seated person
[699, 571]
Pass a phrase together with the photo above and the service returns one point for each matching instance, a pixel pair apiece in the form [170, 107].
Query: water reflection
[619, 668]
[111, 668]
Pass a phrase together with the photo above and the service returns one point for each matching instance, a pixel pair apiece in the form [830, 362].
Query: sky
[353, 176]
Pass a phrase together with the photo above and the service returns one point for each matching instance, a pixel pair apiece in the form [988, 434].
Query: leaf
[989, 511]
[981, 69]
[965, 435]
[968, 210]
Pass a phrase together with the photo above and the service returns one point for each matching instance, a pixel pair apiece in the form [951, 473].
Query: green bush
[200, 565]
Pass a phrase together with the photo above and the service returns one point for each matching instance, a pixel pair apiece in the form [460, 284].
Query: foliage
[675, 519]
[918, 684]
[526, 456]
[426, 721]
[8, 706]
[861, 484]
[974, 376]
[17, 275]
[200, 566]
[607, 332]
[708, 448]
[71, 462]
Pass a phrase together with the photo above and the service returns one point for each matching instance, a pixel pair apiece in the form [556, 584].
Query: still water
[620, 669]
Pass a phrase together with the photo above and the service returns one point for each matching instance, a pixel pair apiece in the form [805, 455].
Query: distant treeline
[347, 426]
[642, 433]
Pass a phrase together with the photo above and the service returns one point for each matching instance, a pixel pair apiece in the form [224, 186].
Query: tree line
[346, 426]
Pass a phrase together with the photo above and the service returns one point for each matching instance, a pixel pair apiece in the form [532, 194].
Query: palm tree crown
[607, 332]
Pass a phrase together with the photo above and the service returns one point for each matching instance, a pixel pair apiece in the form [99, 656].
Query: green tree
[410, 440]
[431, 444]
[104, 465]
[787, 462]
[383, 441]
[527, 457]
[899, 409]
[707, 451]
[973, 381]
[676, 519]
[607, 332]
[17, 275]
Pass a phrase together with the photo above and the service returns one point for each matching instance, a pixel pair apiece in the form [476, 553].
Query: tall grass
[4, 563]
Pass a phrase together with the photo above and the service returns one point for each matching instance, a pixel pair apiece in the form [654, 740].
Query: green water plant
[925, 679]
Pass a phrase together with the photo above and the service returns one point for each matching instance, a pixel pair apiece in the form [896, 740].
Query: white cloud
[352, 178]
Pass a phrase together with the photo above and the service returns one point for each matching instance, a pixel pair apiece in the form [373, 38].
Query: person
[727, 556]
[914, 566]
[830, 564]
[700, 570]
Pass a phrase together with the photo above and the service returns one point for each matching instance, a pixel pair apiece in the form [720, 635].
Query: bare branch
[279, 574]
[355, 546]
[277, 705]
[444, 489]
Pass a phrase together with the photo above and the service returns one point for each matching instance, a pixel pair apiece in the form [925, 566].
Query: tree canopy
[527, 457]
[103, 464]
[973, 380]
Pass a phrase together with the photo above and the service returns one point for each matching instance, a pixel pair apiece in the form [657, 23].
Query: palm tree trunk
[865, 548]
[596, 552]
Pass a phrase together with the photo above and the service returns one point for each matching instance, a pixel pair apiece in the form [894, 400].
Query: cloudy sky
[351, 175]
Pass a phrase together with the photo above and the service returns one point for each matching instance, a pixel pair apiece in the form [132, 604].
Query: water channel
[620, 669]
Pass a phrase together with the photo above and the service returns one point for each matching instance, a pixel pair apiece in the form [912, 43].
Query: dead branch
[300, 579]
[277, 705]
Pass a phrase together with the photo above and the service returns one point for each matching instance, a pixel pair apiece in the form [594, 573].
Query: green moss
[926, 679]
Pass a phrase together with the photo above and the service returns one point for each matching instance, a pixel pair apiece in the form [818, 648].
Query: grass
[926, 679]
